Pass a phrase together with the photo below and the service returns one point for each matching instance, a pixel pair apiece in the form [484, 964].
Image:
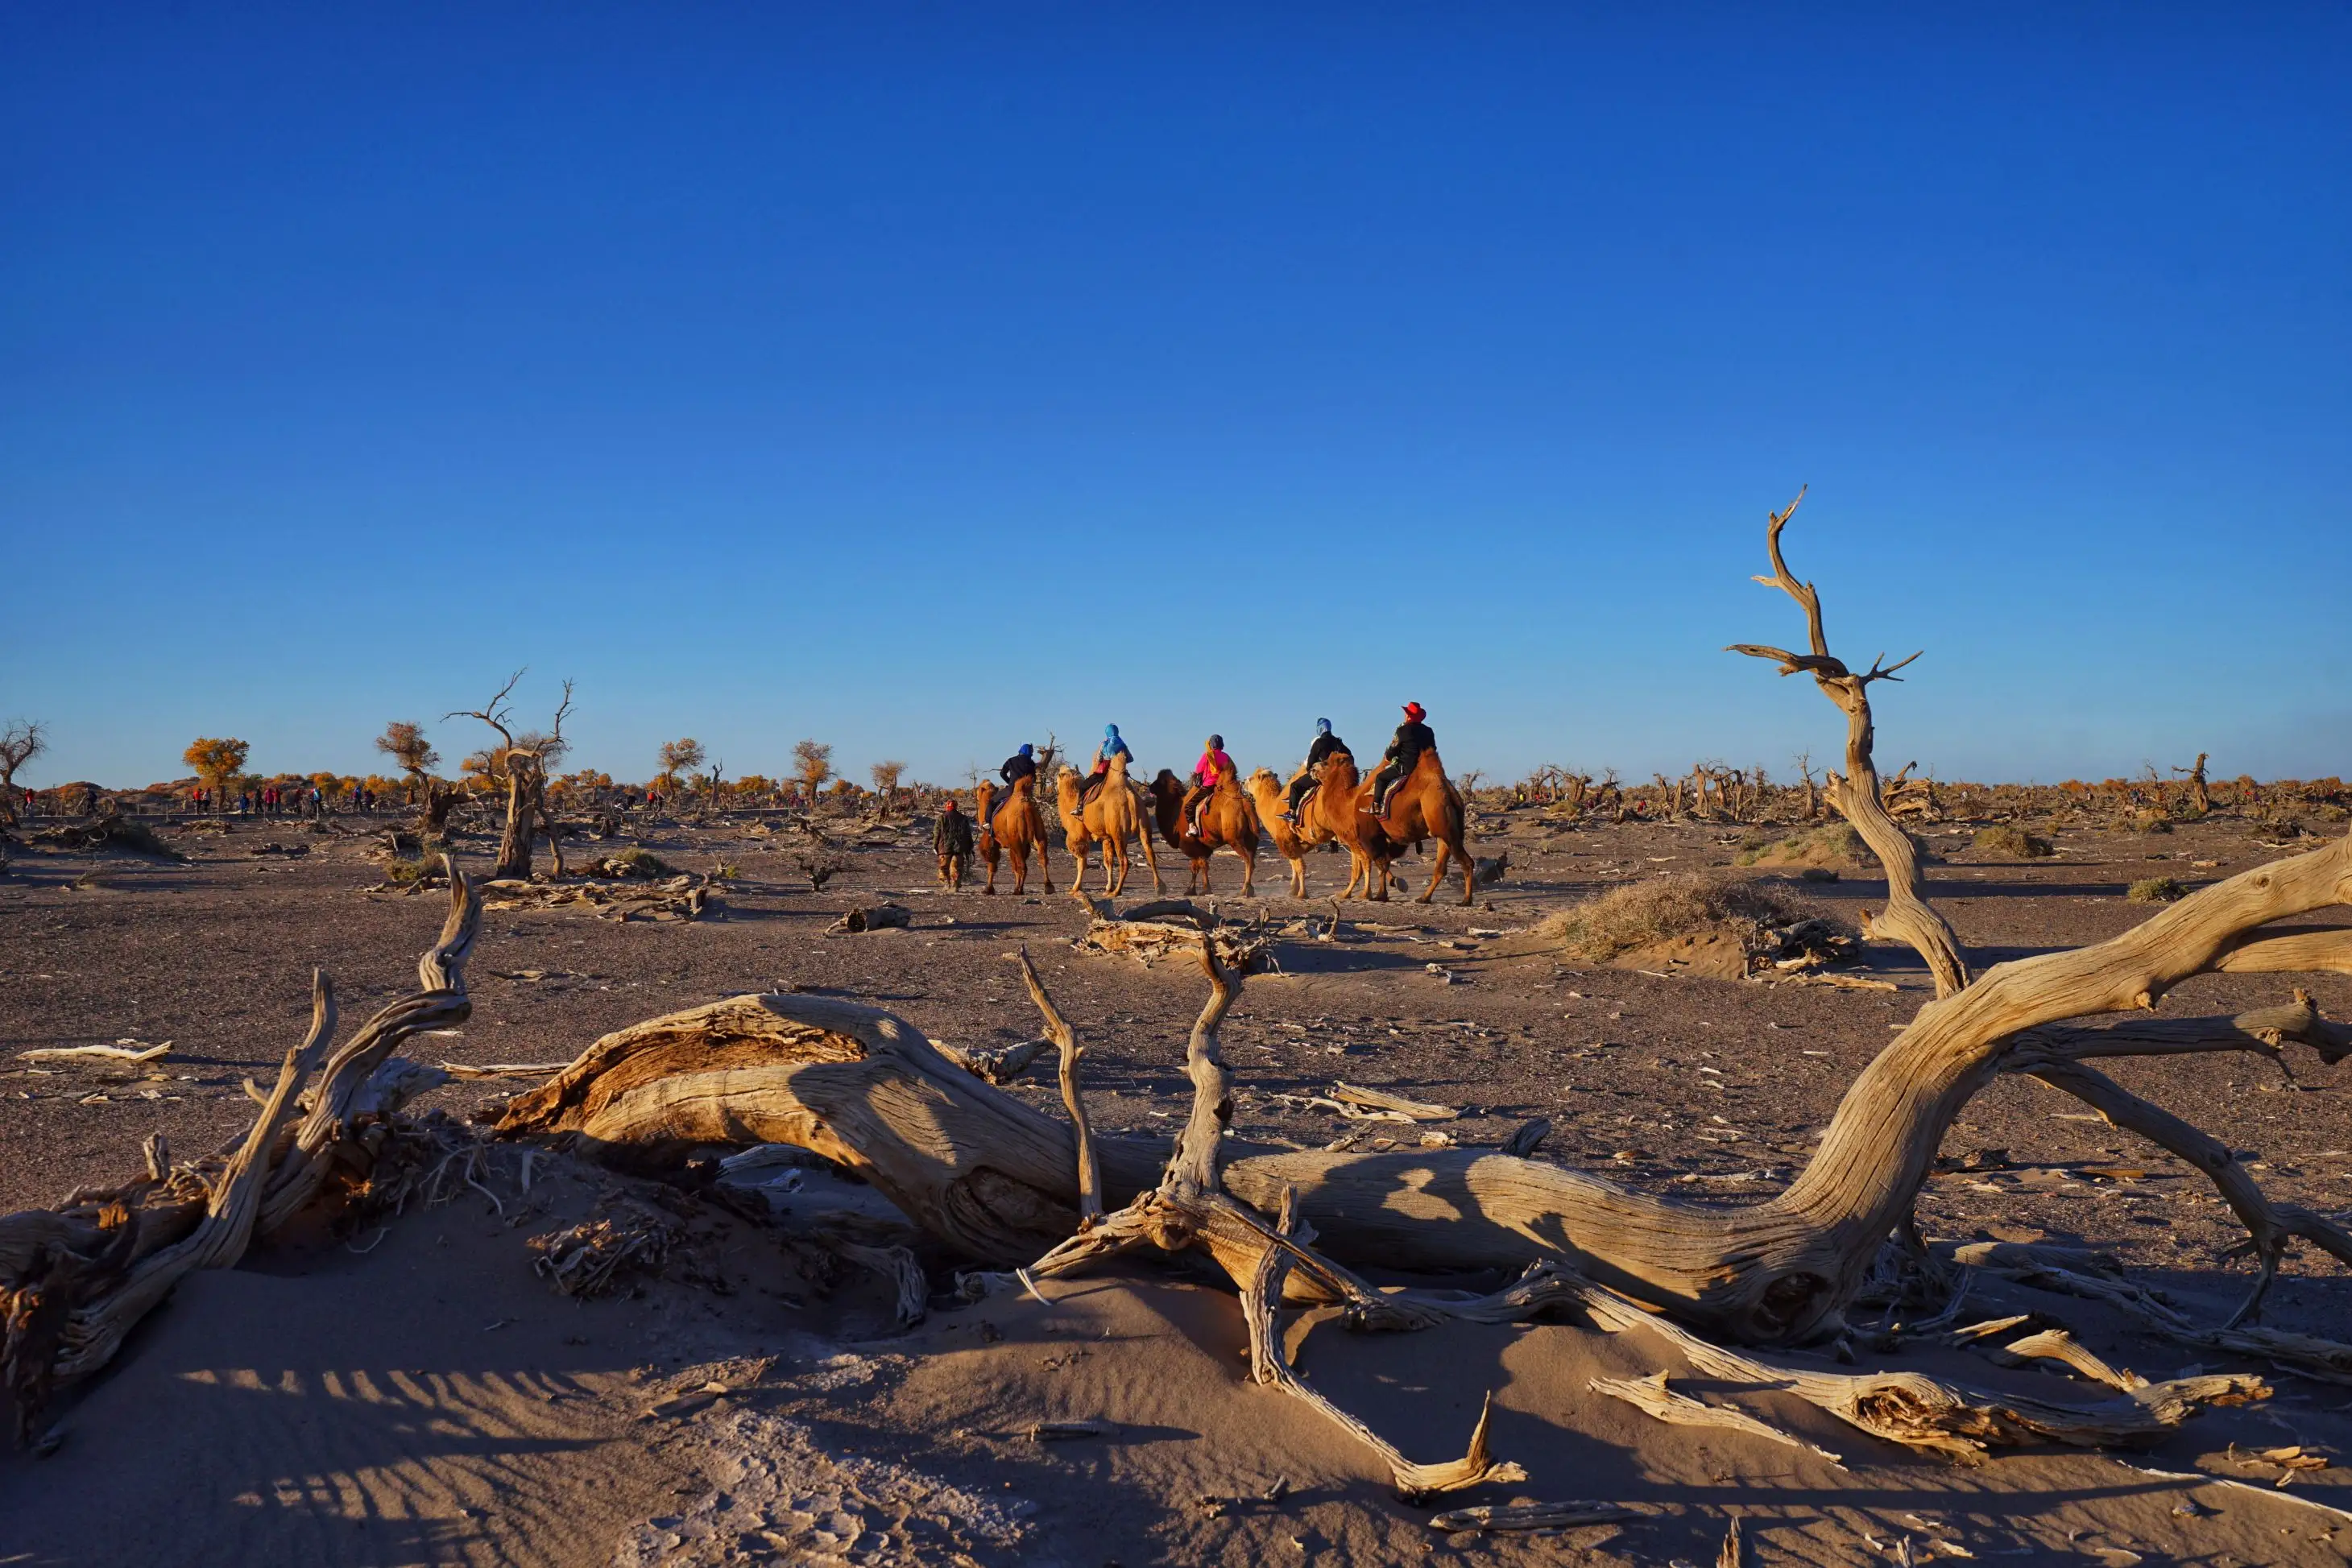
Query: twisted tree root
[75, 1280]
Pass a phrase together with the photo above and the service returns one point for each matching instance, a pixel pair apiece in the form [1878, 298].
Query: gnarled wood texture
[75, 1280]
[1909, 917]
[995, 1178]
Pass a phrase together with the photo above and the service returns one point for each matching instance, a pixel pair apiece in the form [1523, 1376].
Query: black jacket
[1017, 767]
[1325, 745]
[1412, 738]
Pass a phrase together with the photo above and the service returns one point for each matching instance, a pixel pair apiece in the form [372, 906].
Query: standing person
[1099, 769]
[951, 841]
[1324, 744]
[1412, 738]
[1213, 768]
[90, 800]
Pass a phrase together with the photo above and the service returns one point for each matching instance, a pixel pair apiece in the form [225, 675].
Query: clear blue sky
[924, 380]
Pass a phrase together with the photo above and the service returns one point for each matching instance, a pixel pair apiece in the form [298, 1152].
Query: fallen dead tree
[75, 1279]
[683, 897]
[1172, 927]
[995, 1179]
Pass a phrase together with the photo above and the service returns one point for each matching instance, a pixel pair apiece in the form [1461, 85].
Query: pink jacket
[1213, 766]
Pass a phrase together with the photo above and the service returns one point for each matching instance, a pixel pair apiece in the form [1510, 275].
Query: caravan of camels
[1407, 801]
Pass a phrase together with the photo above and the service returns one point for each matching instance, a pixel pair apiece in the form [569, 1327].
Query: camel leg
[1469, 874]
[1151, 855]
[1249, 870]
[1444, 859]
[1298, 876]
[1045, 862]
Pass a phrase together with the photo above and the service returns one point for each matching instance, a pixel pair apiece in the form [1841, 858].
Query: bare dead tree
[2200, 801]
[404, 741]
[521, 763]
[1909, 917]
[19, 744]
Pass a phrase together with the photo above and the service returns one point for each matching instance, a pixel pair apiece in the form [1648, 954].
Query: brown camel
[1427, 806]
[1017, 827]
[1110, 819]
[1338, 810]
[1227, 821]
[1291, 839]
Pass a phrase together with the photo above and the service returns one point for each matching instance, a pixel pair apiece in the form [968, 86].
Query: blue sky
[926, 380]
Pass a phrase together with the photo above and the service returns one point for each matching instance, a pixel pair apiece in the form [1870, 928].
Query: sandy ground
[431, 1400]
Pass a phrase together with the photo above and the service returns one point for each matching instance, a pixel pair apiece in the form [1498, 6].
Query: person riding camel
[1021, 764]
[1326, 743]
[1412, 738]
[1213, 768]
[1099, 770]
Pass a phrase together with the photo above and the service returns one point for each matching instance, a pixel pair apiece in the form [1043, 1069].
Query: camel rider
[1213, 768]
[1326, 743]
[1021, 764]
[1413, 738]
[1099, 770]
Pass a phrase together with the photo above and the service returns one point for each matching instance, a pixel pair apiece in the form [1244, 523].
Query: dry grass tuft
[1683, 905]
[637, 861]
[2155, 890]
[2013, 842]
[1831, 844]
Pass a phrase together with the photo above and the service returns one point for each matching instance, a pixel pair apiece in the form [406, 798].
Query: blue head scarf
[1110, 732]
[1026, 750]
[1322, 727]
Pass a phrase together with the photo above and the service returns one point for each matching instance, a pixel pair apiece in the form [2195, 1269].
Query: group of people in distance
[952, 836]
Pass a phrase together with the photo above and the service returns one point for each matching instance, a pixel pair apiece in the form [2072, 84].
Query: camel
[1109, 820]
[1017, 827]
[1338, 810]
[1229, 821]
[1427, 806]
[1291, 839]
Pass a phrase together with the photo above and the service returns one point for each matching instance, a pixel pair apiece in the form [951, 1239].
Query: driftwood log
[75, 1279]
[999, 1181]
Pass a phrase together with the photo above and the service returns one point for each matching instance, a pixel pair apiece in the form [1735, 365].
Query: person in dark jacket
[1021, 764]
[951, 841]
[1413, 738]
[1326, 743]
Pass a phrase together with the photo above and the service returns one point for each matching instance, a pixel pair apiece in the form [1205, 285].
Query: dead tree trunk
[999, 1181]
[1855, 796]
[2200, 800]
[75, 1280]
[522, 818]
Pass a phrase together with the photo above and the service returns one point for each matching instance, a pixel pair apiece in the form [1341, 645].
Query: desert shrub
[2013, 841]
[1825, 845]
[2147, 820]
[1682, 905]
[2155, 890]
[112, 833]
[637, 861]
[399, 871]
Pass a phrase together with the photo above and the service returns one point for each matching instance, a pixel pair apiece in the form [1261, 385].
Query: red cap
[1415, 711]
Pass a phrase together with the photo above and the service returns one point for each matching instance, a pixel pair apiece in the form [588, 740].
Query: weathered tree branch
[74, 1281]
[1909, 917]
